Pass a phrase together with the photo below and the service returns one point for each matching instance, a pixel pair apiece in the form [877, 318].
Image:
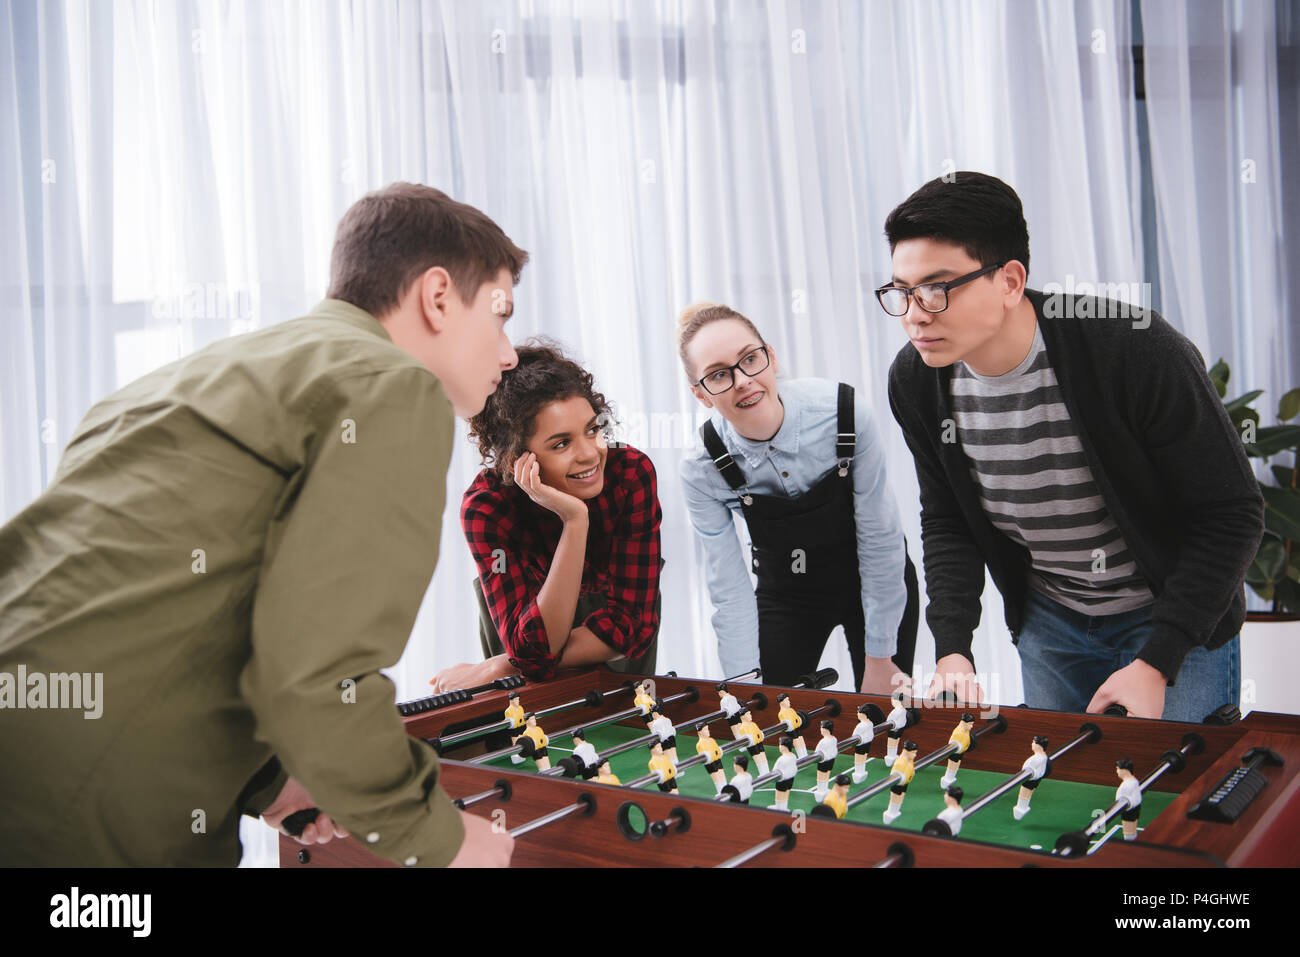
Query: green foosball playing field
[1058, 805]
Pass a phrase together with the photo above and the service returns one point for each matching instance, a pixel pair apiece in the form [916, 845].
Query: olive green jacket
[233, 547]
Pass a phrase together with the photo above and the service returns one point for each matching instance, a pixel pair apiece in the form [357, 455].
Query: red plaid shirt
[513, 540]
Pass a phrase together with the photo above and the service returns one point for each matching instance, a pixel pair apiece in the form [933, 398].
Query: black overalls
[805, 554]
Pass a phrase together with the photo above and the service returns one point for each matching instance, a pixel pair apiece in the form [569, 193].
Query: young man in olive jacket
[231, 550]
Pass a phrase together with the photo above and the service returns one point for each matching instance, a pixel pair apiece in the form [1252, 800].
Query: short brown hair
[696, 317]
[390, 237]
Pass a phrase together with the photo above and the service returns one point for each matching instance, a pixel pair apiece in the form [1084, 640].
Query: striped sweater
[1169, 467]
[1036, 487]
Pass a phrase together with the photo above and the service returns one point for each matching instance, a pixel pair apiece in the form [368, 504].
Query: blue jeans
[1065, 656]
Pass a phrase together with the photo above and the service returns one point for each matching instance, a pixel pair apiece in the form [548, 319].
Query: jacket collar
[345, 312]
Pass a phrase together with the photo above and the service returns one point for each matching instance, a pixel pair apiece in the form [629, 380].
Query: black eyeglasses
[720, 380]
[932, 296]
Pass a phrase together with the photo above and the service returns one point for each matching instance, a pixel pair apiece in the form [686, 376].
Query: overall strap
[722, 459]
[847, 436]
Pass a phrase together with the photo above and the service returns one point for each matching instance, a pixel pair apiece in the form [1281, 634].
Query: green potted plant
[1274, 575]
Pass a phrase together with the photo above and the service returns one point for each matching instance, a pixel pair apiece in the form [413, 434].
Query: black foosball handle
[1116, 710]
[433, 702]
[1225, 715]
[297, 822]
[458, 696]
[820, 679]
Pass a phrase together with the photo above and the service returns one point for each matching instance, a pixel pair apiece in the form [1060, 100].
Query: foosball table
[1211, 795]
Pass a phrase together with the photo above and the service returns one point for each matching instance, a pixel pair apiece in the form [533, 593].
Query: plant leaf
[1241, 401]
[1269, 565]
[1282, 475]
[1219, 376]
[1273, 439]
[1289, 406]
[1241, 416]
[1282, 511]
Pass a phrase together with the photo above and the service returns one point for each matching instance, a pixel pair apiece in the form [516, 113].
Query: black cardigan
[1168, 464]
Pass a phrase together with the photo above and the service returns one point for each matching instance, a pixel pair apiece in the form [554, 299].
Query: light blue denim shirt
[789, 465]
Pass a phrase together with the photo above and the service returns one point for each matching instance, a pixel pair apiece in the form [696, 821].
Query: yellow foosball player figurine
[748, 729]
[961, 737]
[534, 741]
[1037, 764]
[662, 766]
[644, 700]
[707, 746]
[515, 715]
[838, 797]
[904, 766]
[1129, 791]
[793, 722]
[606, 775]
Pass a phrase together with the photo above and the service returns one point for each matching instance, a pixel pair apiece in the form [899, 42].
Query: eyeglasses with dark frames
[931, 296]
[751, 363]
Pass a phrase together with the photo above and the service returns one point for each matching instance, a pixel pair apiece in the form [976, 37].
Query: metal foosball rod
[679, 820]
[586, 804]
[566, 766]
[782, 837]
[569, 769]
[741, 742]
[760, 699]
[592, 699]
[869, 715]
[690, 695]
[817, 679]
[1089, 733]
[647, 739]
[996, 726]
[1075, 843]
[500, 790]
[897, 854]
[831, 708]
[813, 681]
[821, 810]
[572, 768]
[746, 740]
[297, 822]
[1172, 761]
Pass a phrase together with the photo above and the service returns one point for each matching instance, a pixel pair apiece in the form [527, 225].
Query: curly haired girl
[563, 527]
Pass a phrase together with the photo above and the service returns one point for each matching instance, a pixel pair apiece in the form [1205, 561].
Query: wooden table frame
[1265, 836]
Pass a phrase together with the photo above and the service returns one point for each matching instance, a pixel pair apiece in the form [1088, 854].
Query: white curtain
[172, 173]
[1223, 104]
[1215, 108]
